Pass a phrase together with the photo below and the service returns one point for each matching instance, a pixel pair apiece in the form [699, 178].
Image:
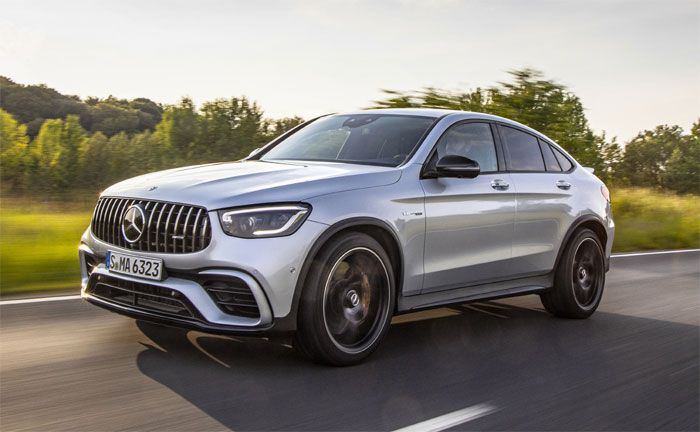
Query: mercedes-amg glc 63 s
[339, 224]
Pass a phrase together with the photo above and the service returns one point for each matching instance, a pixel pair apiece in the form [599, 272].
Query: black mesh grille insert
[168, 227]
[150, 298]
[233, 296]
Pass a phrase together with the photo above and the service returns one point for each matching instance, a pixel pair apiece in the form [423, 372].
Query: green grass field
[39, 246]
[647, 219]
[39, 241]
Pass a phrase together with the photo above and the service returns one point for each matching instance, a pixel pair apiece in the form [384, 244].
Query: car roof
[437, 113]
[423, 112]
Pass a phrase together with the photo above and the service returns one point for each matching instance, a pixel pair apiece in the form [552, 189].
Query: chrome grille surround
[169, 227]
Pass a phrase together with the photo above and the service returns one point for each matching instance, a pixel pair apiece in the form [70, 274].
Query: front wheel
[579, 278]
[347, 302]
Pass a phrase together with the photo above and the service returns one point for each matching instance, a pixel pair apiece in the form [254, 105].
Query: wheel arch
[592, 222]
[376, 228]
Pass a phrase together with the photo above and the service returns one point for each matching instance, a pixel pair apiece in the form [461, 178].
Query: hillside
[32, 104]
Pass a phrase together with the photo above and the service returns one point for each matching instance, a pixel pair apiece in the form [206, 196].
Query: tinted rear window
[523, 150]
[549, 159]
[565, 163]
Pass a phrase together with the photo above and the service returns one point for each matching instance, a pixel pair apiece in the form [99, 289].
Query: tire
[347, 302]
[579, 279]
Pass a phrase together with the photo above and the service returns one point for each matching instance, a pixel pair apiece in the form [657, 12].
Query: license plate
[147, 268]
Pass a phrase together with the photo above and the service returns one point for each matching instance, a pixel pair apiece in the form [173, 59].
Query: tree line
[53, 144]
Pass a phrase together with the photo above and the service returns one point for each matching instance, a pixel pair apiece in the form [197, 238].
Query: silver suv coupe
[341, 223]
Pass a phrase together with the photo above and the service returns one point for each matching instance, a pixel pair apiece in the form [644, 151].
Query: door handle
[499, 184]
[563, 184]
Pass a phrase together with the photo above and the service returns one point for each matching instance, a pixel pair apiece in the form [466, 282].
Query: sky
[634, 64]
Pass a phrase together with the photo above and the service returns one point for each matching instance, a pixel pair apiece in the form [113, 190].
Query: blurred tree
[32, 104]
[95, 163]
[54, 156]
[646, 155]
[276, 127]
[65, 163]
[682, 169]
[43, 151]
[14, 144]
[231, 128]
[611, 159]
[111, 119]
[179, 131]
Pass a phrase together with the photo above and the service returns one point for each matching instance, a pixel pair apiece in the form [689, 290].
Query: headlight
[261, 222]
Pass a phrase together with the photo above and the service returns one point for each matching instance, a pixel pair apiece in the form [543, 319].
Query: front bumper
[269, 268]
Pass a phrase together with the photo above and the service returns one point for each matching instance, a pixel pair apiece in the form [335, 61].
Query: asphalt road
[67, 365]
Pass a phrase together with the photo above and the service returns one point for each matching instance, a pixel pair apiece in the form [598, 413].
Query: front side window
[470, 140]
[523, 150]
[375, 139]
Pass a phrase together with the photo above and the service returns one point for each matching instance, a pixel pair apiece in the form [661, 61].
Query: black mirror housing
[457, 166]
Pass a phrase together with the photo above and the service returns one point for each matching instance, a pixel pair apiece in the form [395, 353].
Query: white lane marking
[633, 254]
[452, 419]
[39, 299]
[77, 296]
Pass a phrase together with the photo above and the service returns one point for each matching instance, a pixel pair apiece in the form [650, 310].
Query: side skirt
[510, 288]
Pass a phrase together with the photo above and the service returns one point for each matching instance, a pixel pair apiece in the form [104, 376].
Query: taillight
[606, 193]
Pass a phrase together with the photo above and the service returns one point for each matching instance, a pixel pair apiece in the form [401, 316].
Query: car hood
[231, 184]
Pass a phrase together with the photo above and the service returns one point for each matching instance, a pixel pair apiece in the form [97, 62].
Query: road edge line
[633, 254]
[39, 299]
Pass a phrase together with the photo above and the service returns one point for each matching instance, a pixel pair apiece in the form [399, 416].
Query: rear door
[543, 200]
[469, 222]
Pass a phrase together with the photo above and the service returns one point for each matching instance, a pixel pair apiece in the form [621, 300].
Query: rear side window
[523, 150]
[564, 161]
[550, 160]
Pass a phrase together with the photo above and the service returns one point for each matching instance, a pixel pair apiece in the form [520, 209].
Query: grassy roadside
[39, 245]
[38, 241]
[646, 219]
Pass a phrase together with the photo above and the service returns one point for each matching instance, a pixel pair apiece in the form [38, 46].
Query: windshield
[362, 138]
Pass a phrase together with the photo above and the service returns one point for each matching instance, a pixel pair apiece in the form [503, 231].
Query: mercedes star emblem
[133, 223]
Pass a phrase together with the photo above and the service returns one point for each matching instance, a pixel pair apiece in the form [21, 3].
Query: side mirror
[457, 166]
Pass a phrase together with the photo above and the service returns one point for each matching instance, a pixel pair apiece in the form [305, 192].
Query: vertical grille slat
[146, 242]
[184, 230]
[205, 230]
[160, 216]
[168, 228]
[175, 226]
[150, 224]
[167, 225]
[105, 220]
[116, 222]
[194, 229]
[96, 215]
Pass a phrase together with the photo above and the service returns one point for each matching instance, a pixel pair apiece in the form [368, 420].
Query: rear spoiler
[589, 169]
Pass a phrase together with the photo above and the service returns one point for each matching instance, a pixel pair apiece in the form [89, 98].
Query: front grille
[232, 296]
[169, 227]
[138, 295]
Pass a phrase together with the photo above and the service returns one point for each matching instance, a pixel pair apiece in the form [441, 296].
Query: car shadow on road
[608, 372]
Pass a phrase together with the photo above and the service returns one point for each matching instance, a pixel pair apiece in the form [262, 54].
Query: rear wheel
[347, 301]
[579, 278]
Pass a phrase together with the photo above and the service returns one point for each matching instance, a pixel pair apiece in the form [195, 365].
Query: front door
[469, 222]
